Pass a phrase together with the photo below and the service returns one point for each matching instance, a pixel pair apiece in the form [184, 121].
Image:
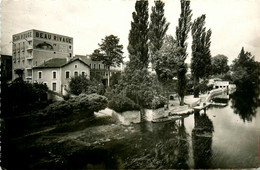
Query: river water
[223, 137]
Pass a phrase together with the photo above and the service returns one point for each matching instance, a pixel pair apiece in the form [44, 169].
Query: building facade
[57, 72]
[221, 84]
[6, 68]
[33, 47]
[97, 68]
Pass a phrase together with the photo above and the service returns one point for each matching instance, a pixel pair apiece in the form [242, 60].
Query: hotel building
[46, 58]
[32, 48]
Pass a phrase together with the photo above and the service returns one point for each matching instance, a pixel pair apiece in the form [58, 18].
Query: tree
[138, 36]
[157, 30]
[201, 57]
[165, 62]
[219, 64]
[244, 70]
[109, 52]
[19, 72]
[182, 31]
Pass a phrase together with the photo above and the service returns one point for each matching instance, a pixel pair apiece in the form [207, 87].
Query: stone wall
[127, 117]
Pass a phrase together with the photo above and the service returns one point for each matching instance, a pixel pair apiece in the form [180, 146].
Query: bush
[81, 104]
[121, 104]
[81, 84]
[20, 97]
[158, 102]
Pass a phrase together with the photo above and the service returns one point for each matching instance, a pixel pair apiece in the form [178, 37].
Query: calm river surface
[224, 137]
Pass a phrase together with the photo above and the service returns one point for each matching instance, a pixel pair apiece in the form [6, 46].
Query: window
[45, 84]
[76, 73]
[99, 66]
[54, 86]
[83, 73]
[70, 47]
[29, 62]
[67, 74]
[76, 66]
[94, 66]
[54, 76]
[70, 55]
[29, 73]
[39, 74]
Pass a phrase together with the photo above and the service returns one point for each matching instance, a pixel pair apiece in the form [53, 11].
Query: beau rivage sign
[42, 35]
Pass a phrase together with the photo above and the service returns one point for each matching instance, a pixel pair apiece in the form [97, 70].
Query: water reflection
[162, 145]
[244, 102]
[202, 140]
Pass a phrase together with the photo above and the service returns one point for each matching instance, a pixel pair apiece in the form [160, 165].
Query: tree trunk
[182, 101]
[108, 78]
[196, 87]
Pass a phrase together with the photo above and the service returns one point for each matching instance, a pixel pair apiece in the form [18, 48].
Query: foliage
[165, 64]
[109, 51]
[182, 31]
[19, 72]
[201, 57]
[138, 36]
[19, 97]
[82, 103]
[81, 84]
[115, 78]
[139, 86]
[120, 104]
[203, 87]
[157, 30]
[165, 60]
[244, 69]
[219, 64]
[95, 77]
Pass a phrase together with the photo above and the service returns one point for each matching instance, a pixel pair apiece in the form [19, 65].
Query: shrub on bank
[81, 104]
[120, 104]
[158, 102]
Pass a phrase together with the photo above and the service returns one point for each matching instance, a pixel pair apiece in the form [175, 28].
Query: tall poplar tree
[138, 36]
[201, 56]
[182, 31]
[157, 30]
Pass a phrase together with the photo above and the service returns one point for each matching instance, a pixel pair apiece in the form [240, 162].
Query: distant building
[57, 72]
[221, 84]
[97, 68]
[33, 47]
[6, 67]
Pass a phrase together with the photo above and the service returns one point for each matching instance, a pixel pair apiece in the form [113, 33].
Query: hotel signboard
[42, 35]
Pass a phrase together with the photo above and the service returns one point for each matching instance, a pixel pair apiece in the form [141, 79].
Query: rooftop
[54, 62]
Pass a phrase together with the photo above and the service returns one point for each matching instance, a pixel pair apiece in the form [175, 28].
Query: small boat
[218, 104]
[165, 119]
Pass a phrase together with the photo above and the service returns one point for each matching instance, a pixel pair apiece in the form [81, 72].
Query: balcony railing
[29, 57]
[29, 47]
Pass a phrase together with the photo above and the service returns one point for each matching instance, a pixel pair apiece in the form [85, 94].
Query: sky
[234, 23]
